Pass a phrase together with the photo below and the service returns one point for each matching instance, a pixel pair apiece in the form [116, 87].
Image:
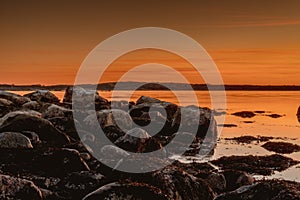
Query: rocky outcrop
[18, 100]
[44, 96]
[16, 188]
[263, 165]
[281, 147]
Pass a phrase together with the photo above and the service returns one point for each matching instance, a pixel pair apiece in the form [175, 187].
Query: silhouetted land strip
[155, 86]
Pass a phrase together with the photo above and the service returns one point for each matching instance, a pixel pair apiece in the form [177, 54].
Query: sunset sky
[252, 42]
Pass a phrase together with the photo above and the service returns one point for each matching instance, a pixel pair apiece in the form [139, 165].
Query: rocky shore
[46, 153]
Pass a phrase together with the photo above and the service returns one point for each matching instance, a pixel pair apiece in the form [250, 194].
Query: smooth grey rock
[14, 140]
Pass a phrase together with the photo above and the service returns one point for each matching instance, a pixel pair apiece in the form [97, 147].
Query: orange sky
[252, 42]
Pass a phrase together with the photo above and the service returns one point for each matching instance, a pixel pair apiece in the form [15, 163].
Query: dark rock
[236, 179]
[259, 111]
[134, 140]
[265, 190]
[18, 100]
[248, 122]
[274, 115]
[281, 147]
[34, 138]
[16, 188]
[83, 96]
[228, 125]
[78, 184]
[43, 96]
[248, 139]
[14, 140]
[124, 191]
[6, 106]
[60, 162]
[244, 114]
[147, 100]
[25, 122]
[206, 126]
[108, 118]
[178, 184]
[263, 165]
[33, 105]
[57, 111]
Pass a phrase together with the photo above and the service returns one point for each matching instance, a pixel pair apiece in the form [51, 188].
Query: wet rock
[265, 190]
[124, 191]
[15, 188]
[274, 115]
[178, 184]
[281, 147]
[43, 96]
[236, 179]
[263, 165]
[244, 114]
[6, 106]
[60, 162]
[14, 140]
[78, 184]
[134, 140]
[66, 126]
[18, 100]
[217, 182]
[25, 122]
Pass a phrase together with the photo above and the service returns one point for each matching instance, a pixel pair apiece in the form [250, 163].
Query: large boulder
[33, 105]
[14, 140]
[43, 96]
[113, 122]
[25, 122]
[204, 122]
[134, 140]
[18, 100]
[83, 96]
[16, 188]
[57, 111]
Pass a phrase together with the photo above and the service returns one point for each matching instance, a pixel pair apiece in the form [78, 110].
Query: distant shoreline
[154, 86]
